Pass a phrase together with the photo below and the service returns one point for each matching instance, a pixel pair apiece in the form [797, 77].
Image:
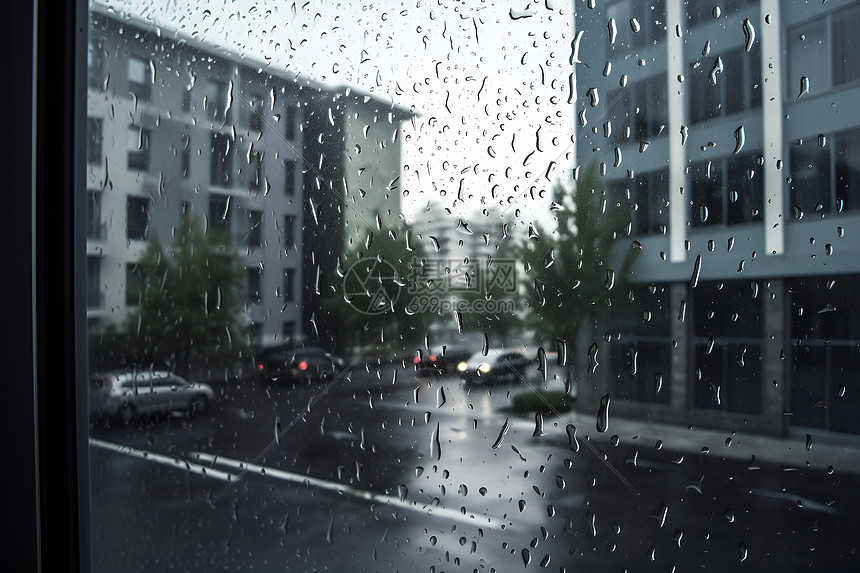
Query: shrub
[542, 401]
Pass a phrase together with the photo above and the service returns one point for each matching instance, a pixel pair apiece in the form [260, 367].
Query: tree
[369, 299]
[190, 312]
[576, 270]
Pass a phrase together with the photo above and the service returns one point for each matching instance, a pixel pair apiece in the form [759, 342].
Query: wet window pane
[562, 286]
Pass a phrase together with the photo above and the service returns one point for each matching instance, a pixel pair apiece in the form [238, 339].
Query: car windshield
[629, 224]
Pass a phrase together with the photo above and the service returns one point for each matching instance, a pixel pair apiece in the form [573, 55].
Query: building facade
[728, 138]
[178, 127]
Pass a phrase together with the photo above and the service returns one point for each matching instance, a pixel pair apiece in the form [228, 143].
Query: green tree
[368, 299]
[581, 268]
[190, 312]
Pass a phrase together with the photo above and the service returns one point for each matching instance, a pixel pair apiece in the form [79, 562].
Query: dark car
[497, 366]
[427, 364]
[297, 364]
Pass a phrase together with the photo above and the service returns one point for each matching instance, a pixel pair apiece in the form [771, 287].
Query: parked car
[297, 364]
[131, 394]
[497, 366]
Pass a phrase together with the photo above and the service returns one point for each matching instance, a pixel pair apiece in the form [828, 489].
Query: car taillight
[416, 360]
[303, 365]
[432, 358]
[260, 367]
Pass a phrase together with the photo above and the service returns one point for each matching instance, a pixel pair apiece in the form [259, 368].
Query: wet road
[385, 473]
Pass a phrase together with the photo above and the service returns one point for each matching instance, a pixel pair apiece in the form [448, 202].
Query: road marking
[203, 464]
[265, 472]
[178, 463]
[805, 503]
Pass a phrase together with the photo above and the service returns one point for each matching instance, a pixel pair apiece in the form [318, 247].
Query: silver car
[497, 366]
[131, 394]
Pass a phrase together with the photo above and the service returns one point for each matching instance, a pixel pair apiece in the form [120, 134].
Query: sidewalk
[790, 452]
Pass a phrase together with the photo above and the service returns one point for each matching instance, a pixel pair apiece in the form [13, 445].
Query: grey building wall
[663, 111]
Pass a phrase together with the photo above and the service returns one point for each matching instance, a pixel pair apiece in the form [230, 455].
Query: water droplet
[743, 552]
[402, 490]
[573, 443]
[697, 269]
[716, 12]
[828, 249]
[538, 425]
[716, 68]
[730, 515]
[684, 132]
[435, 444]
[603, 414]
[613, 30]
[808, 442]
[749, 34]
[740, 139]
[804, 86]
[593, 96]
[593, 351]
[502, 433]
[634, 25]
[527, 557]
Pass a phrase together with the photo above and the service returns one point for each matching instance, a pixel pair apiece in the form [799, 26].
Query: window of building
[290, 120]
[727, 333]
[95, 296]
[215, 97]
[726, 191]
[289, 232]
[256, 178]
[94, 140]
[650, 195]
[824, 173]
[638, 24]
[823, 51]
[254, 113]
[736, 88]
[638, 112]
[137, 146]
[139, 81]
[137, 217]
[255, 229]
[290, 177]
[95, 63]
[220, 214]
[95, 225]
[289, 286]
[288, 331]
[255, 284]
[221, 161]
[825, 355]
[185, 153]
[135, 283]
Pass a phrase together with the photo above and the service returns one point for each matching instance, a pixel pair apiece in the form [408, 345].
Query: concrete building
[730, 136]
[178, 126]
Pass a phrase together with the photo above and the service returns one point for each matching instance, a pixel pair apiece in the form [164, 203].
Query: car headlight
[484, 367]
[461, 367]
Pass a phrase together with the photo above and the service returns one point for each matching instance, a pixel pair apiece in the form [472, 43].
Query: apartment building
[179, 126]
[729, 136]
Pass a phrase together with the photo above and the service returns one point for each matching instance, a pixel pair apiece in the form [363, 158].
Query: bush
[542, 401]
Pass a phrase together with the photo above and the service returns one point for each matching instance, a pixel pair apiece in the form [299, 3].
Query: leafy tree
[576, 270]
[369, 299]
[190, 312]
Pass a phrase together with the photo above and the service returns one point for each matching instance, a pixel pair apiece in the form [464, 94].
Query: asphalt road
[391, 473]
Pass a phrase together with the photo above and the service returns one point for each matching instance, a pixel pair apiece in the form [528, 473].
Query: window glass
[471, 287]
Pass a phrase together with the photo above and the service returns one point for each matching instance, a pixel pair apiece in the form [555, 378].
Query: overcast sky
[489, 80]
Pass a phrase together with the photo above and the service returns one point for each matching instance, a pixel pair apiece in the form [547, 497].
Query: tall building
[177, 126]
[730, 138]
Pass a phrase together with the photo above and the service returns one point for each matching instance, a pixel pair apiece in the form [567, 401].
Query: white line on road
[178, 463]
[208, 470]
[262, 471]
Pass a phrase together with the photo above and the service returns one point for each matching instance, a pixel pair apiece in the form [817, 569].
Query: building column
[677, 121]
[773, 371]
[678, 379]
[770, 37]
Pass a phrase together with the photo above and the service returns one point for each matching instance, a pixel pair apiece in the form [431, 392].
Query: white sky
[488, 86]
